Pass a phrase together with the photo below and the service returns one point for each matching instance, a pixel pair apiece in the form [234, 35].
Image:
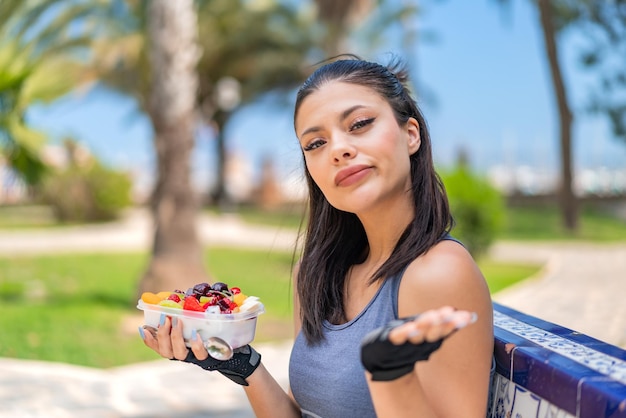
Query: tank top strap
[397, 278]
[394, 283]
[449, 237]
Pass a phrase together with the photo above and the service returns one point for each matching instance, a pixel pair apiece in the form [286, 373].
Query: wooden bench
[547, 371]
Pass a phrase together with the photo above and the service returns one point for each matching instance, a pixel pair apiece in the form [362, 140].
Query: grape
[201, 289]
[220, 287]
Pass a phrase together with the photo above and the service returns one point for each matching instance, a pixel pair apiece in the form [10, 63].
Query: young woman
[383, 293]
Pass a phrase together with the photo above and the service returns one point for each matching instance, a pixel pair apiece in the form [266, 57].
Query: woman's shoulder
[445, 275]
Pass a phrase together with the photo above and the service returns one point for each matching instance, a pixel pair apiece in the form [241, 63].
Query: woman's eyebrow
[310, 130]
[344, 115]
[348, 111]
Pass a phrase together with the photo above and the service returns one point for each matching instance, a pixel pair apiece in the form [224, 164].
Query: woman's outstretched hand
[168, 342]
[391, 351]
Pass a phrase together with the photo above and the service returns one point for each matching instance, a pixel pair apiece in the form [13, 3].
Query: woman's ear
[413, 131]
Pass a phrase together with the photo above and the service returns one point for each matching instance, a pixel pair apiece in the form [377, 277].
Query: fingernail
[142, 334]
[162, 319]
[194, 333]
[473, 318]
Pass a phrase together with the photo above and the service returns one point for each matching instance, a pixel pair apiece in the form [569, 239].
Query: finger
[424, 326]
[151, 330]
[467, 319]
[445, 314]
[179, 349]
[163, 337]
[148, 338]
[431, 325]
[409, 330]
[448, 323]
[197, 346]
[440, 327]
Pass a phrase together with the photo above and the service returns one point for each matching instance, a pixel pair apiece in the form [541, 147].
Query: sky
[484, 86]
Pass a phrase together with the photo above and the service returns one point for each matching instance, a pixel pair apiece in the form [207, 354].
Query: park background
[480, 73]
[484, 86]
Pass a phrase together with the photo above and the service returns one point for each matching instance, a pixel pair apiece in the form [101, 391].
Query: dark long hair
[334, 240]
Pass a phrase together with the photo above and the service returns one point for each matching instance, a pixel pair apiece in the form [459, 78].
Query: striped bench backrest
[547, 371]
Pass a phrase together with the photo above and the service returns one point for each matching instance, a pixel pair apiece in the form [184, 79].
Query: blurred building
[533, 181]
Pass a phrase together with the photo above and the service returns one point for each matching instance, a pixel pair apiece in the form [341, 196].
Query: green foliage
[36, 38]
[477, 207]
[20, 145]
[87, 193]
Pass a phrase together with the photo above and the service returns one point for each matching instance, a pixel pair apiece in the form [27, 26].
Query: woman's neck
[383, 229]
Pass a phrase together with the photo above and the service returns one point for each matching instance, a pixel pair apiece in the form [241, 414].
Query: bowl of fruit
[215, 311]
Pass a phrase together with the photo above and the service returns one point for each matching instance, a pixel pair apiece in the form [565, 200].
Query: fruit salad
[215, 310]
[217, 298]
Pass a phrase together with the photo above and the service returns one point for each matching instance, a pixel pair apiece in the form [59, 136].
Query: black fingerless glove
[387, 361]
[245, 360]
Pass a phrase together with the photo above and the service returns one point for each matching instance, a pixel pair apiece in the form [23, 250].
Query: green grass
[544, 224]
[26, 217]
[502, 275]
[81, 309]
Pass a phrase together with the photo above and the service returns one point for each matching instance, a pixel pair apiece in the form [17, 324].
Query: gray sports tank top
[327, 379]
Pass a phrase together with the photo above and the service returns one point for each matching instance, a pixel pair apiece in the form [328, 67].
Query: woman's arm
[267, 398]
[263, 391]
[456, 376]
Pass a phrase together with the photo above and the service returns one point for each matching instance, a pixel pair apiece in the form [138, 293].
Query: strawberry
[174, 297]
[191, 304]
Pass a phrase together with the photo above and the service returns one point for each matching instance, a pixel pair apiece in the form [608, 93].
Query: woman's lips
[351, 175]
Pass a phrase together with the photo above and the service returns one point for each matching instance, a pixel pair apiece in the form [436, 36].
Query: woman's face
[354, 148]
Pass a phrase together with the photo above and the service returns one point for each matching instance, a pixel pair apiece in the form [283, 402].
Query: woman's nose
[343, 149]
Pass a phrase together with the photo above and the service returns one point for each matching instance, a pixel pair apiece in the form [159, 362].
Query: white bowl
[236, 329]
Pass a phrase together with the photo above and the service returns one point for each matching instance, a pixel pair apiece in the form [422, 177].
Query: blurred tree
[603, 25]
[248, 49]
[84, 189]
[171, 104]
[37, 39]
[338, 18]
[366, 19]
[554, 16]
[552, 20]
[477, 207]
[245, 51]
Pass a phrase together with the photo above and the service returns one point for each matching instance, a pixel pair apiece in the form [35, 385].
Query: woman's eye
[313, 145]
[361, 123]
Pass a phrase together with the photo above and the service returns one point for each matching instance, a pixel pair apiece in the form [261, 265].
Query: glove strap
[244, 362]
